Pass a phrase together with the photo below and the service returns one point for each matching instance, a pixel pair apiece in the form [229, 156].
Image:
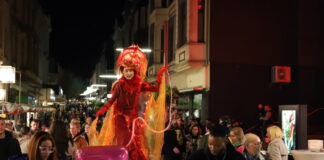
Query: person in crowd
[192, 140]
[75, 131]
[226, 122]
[42, 147]
[85, 134]
[236, 136]
[174, 111]
[199, 123]
[174, 142]
[219, 147]
[73, 120]
[203, 126]
[66, 119]
[31, 118]
[45, 127]
[9, 146]
[89, 120]
[265, 115]
[203, 143]
[24, 137]
[60, 135]
[10, 127]
[19, 124]
[252, 147]
[192, 122]
[34, 126]
[277, 149]
[208, 121]
[82, 117]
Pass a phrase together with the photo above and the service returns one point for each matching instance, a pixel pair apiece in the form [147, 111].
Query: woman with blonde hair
[42, 147]
[78, 141]
[277, 149]
[236, 136]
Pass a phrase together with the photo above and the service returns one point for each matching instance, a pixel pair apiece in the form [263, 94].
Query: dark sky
[79, 30]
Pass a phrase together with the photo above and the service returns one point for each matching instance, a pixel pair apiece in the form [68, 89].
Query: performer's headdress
[132, 57]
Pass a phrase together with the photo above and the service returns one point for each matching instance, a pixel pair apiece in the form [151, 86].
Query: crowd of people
[56, 138]
[69, 130]
[221, 141]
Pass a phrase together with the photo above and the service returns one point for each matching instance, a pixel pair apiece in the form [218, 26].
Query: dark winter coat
[9, 146]
[230, 154]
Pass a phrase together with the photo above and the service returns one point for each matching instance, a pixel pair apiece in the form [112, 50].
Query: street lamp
[98, 85]
[92, 88]
[88, 91]
[109, 76]
[119, 49]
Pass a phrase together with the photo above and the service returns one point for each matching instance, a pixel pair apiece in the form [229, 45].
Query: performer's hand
[161, 71]
[101, 111]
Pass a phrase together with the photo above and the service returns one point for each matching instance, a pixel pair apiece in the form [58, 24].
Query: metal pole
[18, 117]
[19, 87]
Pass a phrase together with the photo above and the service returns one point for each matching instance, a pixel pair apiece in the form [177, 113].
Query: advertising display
[288, 128]
[293, 121]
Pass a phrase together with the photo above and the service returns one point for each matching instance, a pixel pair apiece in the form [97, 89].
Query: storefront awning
[14, 108]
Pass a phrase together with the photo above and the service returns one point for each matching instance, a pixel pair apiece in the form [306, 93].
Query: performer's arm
[108, 104]
[155, 87]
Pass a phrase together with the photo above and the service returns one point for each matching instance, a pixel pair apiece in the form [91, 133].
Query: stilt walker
[122, 125]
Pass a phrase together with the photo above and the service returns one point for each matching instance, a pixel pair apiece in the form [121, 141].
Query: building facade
[24, 44]
[248, 38]
[176, 32]
[178, 37]
[132, 26]
[4, 42]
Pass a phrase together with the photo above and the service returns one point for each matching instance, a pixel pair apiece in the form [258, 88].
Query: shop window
[201, 20]
[171, 42]
[197, 101]
[182, 23]
[190, 105]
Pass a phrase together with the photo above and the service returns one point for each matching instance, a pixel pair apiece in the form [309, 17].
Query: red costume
[125, 99]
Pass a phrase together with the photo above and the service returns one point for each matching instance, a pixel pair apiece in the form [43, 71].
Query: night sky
[79, 31]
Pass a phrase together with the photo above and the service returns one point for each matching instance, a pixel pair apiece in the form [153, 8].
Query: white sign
[2, 94]
[7, 74]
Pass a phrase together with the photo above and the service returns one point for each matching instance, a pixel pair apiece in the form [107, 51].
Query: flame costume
[123, 107]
